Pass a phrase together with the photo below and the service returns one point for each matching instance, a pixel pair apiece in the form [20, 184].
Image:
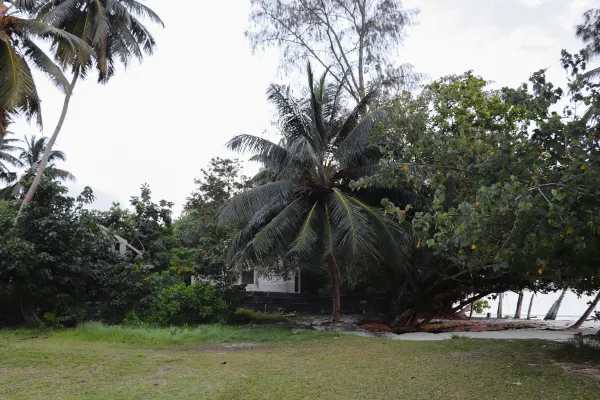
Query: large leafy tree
[355, 39]
[20, 53]
[111, 28]
[219, 182]
[148, 227]
[307, 214]
[512, 182]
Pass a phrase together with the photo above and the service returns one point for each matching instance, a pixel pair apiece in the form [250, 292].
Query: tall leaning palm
[112, 28]
[307, 213]
[19, 54]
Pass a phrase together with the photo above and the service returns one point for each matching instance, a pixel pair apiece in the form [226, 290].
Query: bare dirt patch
[228, 347]
[584, 370]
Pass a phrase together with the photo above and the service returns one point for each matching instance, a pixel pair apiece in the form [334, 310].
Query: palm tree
[8, 160]
[29, 159]
[111, 28]
[32, 154]
[307, 213]
[19, 53]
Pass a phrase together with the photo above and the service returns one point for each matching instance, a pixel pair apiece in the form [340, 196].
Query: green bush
[244, 316]
[188, 305]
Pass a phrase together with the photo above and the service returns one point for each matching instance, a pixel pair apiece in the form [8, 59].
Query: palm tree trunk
[499, 314]
[335, 289]
[530, 305]
[44, 162]
[519, 305]
[587, 313]
[553, 311]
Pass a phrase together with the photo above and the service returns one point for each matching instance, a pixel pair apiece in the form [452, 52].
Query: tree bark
[361, 49]
[519, 306]
[499, 314]
[530, 305]
[553, 311]
[469, 301]
[335, 289]
[41, 168]
[471, 312]
[587, 313]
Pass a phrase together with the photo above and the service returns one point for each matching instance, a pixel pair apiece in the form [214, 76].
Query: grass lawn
[98, 362]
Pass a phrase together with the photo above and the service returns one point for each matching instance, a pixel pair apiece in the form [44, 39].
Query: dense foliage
[511, 187]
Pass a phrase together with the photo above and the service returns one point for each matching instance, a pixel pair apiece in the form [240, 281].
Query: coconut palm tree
[8, 159]
[29, 159]
[19, 53]
[111, 28]
[307, 213]
[31, 156]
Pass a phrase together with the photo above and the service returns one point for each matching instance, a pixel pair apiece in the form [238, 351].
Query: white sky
[160, 122]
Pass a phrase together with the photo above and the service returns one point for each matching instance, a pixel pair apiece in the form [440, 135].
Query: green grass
[203, 334]
[99, 362]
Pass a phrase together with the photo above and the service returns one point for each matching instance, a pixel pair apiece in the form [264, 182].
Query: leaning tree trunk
[530, 305]
[519, 305]
[553, 311]
[41, 168]
[587, 313]
[499, 314]
[335, 289]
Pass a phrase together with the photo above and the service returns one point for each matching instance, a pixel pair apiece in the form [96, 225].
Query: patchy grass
[99, 362]
[244, 316]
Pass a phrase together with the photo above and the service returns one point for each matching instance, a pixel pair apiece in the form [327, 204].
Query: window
[248, 278]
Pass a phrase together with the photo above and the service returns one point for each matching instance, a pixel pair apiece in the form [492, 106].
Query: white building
[255, 282]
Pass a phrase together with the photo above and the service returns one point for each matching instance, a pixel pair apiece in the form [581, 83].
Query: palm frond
[46, 65]
[18, 92]
[269, 153]
[353, 118]
[79, 48]
[242, 206]
[355, 144]
[291, 119]
[353, 234]
[593, 73]
[306, 242]
[275, 238]
[142, 11]
[240, 246]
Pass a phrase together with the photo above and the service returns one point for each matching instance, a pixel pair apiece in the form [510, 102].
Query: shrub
[244, 316]
[188, 305]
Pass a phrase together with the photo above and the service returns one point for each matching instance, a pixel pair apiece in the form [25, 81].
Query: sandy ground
[551, 330]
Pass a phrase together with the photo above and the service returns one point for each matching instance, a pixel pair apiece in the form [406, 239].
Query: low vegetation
[244, 316]
[216, 362]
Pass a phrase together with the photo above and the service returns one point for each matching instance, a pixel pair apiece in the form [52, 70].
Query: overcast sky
[160, 122]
